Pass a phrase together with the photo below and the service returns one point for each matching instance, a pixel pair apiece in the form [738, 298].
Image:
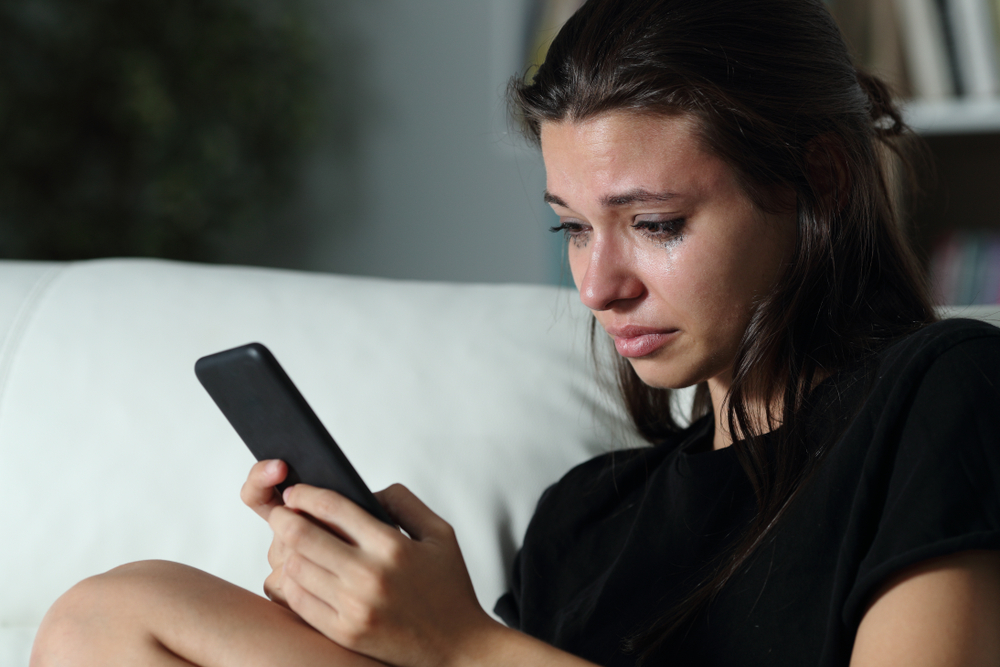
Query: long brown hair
[777, 96]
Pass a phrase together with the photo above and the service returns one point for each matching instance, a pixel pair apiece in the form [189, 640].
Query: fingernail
[272, 467]
[286, 494]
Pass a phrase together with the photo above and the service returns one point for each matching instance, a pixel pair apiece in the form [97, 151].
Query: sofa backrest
[475, 396]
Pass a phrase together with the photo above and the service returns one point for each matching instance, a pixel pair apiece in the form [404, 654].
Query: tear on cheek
[671, 245]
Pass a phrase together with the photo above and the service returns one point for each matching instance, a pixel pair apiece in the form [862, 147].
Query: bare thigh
[159, 613]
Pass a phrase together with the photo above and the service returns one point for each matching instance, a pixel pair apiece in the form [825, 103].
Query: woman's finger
[276, 554]
[273, 589]
[318, 581]
[339, 514]
[412, 514]
[258, 492]
[350, 613]
[301, 535]
[311, 609]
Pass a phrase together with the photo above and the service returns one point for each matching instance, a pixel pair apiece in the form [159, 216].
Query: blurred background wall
[370, 136]
[445, 190]
[365, 137]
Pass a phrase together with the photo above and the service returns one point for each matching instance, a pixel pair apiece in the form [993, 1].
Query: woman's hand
[371, 589]
[260, 495]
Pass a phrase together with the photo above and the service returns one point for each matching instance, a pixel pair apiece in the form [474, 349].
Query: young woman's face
[666, 249]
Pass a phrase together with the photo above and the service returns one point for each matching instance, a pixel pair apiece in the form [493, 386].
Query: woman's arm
[407, 601]
[942, 612]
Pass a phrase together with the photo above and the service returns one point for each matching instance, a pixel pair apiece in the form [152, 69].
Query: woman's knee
[66, 628]
[97, 611]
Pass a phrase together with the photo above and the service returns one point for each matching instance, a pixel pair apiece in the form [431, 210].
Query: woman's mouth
[633, 341]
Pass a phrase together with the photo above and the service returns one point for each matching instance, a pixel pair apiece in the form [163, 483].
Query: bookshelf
[943, 58]
[955, 222]
[953, 116]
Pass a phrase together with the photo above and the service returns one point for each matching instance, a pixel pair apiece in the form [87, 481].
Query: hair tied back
[885, 114]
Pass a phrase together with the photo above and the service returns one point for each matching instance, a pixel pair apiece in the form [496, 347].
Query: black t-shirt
[913, 475]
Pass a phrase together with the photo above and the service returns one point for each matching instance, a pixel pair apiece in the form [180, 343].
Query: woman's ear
[826, 164]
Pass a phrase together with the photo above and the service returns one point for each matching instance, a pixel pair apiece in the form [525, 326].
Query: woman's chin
[662, 376]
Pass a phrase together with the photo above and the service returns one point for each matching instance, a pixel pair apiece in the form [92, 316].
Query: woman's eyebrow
[636, 196]
[553, 199]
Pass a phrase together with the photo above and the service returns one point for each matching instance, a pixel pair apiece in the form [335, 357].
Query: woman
[716, 167]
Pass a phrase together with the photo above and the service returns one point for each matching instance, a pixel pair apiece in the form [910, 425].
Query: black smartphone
[273, 419]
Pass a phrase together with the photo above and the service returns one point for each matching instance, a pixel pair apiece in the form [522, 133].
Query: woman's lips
[633, 342]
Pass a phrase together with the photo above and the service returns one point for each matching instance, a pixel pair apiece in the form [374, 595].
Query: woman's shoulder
[918, 372]
[937, 357]
[916, 465]
[930, 342]
[948, 349]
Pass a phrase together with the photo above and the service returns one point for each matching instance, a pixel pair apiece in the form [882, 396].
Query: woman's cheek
[578, 255]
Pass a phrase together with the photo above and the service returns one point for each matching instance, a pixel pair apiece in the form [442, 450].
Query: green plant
[149, 127]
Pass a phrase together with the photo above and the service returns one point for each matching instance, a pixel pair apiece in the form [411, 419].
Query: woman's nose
[608, 279]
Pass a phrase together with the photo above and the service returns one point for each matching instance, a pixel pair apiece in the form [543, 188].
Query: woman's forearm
[499, 646]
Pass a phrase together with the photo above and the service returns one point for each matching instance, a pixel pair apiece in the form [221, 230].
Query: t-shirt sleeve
[508, 607]
[939, 470]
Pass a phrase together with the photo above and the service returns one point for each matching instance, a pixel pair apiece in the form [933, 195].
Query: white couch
[475, 396]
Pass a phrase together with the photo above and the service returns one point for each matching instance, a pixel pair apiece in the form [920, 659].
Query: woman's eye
[572, 231]
[663, 230]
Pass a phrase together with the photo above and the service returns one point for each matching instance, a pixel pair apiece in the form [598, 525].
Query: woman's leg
[160, 613]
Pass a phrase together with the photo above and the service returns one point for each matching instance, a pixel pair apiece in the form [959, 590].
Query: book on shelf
[965, 269]
[973, 35]
[926, 49]
[948, 48]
